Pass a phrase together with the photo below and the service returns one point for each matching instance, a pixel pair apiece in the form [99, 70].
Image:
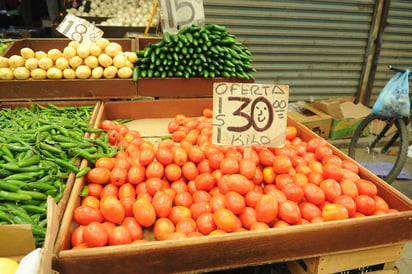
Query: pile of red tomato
[187, 187]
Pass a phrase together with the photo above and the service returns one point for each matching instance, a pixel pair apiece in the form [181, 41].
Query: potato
[16, 61]
[125, 72]
[40, 54]
[129, 64]
[74, 44]
[119, 61]
[105, 60]
[112, 49]
[110, 72]
[38, 74]
[45, 63]
[54, 73]
[62, 63]
[6, 74]
[131, 56]
[83, 72]
[54, 54]
[102, 43]
[75, 61]
[91, 61]
[69, 52]
[95, 50]
[26, 53]
[83, 51]
[4, 62]
[31, 63]
[97, 73]
[21, 73]
[69, 73]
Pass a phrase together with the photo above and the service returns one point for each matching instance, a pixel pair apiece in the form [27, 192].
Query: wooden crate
[232, 250]
[64, 89]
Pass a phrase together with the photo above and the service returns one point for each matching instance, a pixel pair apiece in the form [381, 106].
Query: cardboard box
[175, 87]
[346, 115]
[233, 249]
[64, 89]
[314, 119]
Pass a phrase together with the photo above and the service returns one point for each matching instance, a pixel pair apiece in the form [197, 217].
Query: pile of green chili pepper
[39, 147]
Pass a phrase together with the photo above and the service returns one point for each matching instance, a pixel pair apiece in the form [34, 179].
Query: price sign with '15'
[176, 14]
[80, 30]
[249, 114]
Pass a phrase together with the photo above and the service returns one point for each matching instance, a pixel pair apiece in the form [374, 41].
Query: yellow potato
[38, 74]
[54, 54]
[6, 74]
[112, 49]
[91, 61]
[131, 56]
[125, 72]
[110, 72]
[26, 53]
[105, 60]
[21, 73]
[40, 54]
[119, 61]
[74, 44]
[83, 51]
[129, 64]
[45, 63]
[16, 61]
[54, 73]
[69, 73]
[4, 62]
[83, 72]
[75, 61]
[69, 52]
[97, 73]
[31, 63]
[62, 63]
[102, 43]
[95, 50]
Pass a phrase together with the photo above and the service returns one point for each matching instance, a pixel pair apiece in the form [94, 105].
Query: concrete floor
[405, 187]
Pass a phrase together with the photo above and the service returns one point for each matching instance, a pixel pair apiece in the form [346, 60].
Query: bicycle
[379, 136]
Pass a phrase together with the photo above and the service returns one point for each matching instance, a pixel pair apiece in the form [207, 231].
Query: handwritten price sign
[177, 14]
[80, 30]
[249, 114]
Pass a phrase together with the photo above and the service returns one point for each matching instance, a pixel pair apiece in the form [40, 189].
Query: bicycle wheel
[381, 145]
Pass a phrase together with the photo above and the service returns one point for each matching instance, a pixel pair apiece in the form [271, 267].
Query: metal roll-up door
[396, 48]
[315, 47]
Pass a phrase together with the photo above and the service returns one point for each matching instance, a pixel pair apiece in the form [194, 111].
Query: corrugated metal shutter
[396, 46]
[315, 47]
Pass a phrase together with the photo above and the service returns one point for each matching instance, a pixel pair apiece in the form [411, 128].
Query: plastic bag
[393, 101]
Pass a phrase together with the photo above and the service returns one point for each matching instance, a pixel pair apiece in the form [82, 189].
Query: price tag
[249, 114]
[176, 14]
[80, 30]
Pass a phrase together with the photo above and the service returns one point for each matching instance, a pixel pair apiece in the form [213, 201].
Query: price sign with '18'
[176, 14]
[80, 30]
[249, 114]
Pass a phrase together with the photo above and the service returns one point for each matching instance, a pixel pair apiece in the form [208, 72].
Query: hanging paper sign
[247, 114]
[176, 14]
[79, 29]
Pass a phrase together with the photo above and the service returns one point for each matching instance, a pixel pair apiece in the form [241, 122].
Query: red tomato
[225, 220]
[366, 187]
[349, 188]
[251, 197]
[380, 203]
[333, 171]
[205, 223]
[365, 204]
[178, 213]
[204, 181]
[84, 215]
[282, 164]
[239, 183]
[183, 199]
[127, 191]
[133, 227]
[247, 167]
[144, 212]
[120, 236]
[293, 192]
[136, 174]
[162, 203]
[314, 194]
[98, 175]
[109, 190]
[217, 201]
[322, 151]
[248, 217]
[331, 188]
[289, 212]
[266, 208]
[266, 157]
[95, 235]
[77, 235]
[313, 143]
[347, 202]
[229, 165]
[235, 202]
[198, 208]
[186, 226]
[163, 227]
[118, 176]
[309, 211]
[108, 124]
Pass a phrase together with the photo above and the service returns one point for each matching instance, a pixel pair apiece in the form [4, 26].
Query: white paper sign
[249, 114]
[176, 14]
[79, 29]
